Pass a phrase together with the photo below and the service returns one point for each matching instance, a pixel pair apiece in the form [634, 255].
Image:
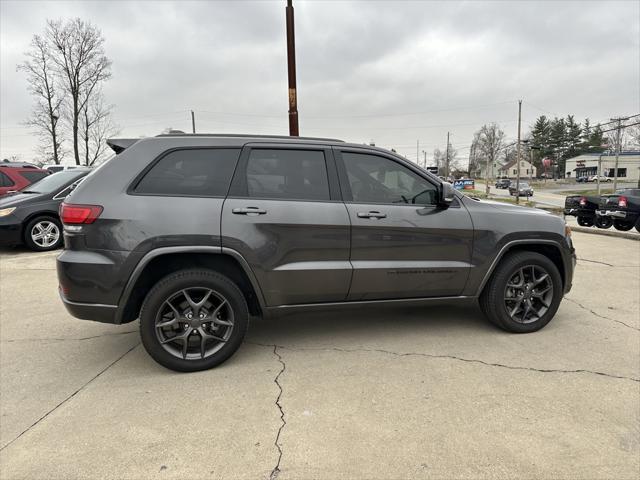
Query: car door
[403, 244]
[284, 215]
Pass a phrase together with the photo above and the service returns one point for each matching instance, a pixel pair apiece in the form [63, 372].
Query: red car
[18, 177]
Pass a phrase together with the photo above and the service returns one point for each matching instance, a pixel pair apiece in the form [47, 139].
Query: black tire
[584, 221]
[604, 222]
[622, 225]
[41, 244]
[492, 299]
[172, 285]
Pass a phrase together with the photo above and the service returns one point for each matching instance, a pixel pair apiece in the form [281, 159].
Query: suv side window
[376, 179]
[287, 174]
[5, 181]
[191, 172]
[33, 177]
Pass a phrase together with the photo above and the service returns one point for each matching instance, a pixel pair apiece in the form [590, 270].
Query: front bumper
[10, 231]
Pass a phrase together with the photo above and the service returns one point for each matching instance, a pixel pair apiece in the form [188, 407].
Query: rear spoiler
[119, 145]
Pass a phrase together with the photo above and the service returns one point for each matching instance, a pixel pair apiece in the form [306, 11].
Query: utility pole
[417, 152]
[291, 67]
[193, 122]
[425, 159]
[446, 160]
[618, 131]
[518, 153]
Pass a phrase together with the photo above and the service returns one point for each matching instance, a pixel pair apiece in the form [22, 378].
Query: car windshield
[524, 185]
[629, 191]
[54, 181]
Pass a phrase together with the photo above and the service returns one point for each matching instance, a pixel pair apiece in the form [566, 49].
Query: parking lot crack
[71, 339]
[276, 470]
[595, 261]
[70, 396]
[601, 316]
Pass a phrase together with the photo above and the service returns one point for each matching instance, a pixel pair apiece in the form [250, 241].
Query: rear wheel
[193, 320]
[523, 293]
[604, 222]
[622, 225]
[584, 221]
[43, 234]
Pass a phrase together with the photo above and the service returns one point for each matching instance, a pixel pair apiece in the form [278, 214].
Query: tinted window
[55, 181]
[192, 172]
[5, 181]
[33, 176]
[375, 179]
[287, 174]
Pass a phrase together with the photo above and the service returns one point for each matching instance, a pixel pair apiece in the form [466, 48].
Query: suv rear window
[191, 172]
[33, 177]
[287, 174]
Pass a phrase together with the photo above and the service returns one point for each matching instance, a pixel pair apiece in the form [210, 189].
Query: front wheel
[622, 225]
[43, 234]
[193, 320]
[523, 293]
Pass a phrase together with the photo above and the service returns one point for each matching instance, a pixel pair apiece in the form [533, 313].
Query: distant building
[481, 170]
[511, 169]
[587, 164]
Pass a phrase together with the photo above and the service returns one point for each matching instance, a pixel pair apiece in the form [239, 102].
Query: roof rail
[246, 135]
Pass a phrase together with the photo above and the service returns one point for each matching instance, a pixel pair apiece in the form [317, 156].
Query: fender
[158, 252]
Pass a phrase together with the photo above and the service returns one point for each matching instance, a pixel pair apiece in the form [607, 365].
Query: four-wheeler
[525, 190]
[193, 234]
[503, 183]
[30, 216]
[584, 208]
[14, 177]
[623, 207]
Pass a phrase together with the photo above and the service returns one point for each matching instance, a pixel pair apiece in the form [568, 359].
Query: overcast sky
[390, 71]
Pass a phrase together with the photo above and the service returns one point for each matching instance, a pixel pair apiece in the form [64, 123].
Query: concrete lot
[434, 392]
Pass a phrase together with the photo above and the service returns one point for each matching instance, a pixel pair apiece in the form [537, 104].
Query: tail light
[583, 201]
[78, 214]
[622, 202]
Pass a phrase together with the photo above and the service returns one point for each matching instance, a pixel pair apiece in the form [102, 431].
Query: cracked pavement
[375, 393]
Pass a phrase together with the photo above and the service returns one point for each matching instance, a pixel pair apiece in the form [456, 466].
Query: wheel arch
[548, 248]
[36, 214]
[164, 261]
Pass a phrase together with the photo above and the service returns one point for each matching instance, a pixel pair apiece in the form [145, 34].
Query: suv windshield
[54, 181]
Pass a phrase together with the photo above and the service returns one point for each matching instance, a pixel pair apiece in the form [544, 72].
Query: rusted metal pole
[291, 65]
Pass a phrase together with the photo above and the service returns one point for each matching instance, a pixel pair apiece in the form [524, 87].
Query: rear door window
[5, 181]
[287, 174]
[191, 172]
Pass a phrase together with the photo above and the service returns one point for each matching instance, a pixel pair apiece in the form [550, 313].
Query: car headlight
[6, 211]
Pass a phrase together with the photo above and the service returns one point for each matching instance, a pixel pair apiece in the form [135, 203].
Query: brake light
[583, 201]
[622, 202]
[78, 214]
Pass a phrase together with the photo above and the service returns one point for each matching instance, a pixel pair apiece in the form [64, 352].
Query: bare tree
[96, 128]
[488, 141]
[43, 84]
[78, 52]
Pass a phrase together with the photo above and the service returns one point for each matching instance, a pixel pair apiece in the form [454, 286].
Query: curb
[605, 232]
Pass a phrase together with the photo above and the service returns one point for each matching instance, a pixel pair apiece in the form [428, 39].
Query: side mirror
[447, 195]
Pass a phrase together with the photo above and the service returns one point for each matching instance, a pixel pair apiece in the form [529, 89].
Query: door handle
[372, 215]
[249, 211]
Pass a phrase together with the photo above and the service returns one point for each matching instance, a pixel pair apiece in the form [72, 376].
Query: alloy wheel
[45, 233]
[528, 294]
[194, 323]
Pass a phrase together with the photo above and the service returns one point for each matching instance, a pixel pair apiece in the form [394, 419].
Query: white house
[511, 169]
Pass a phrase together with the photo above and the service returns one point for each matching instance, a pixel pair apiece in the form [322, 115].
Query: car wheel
[523, 293]
[43, 234]
[585, 221]
[604, 222]
[622, 225]
[193, 320]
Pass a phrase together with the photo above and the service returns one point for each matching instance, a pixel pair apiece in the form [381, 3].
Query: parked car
[525, 189]
[30, 216]
[623, 207]
[594, 178]
[584, 208]
[503, 183]
[582, 179]
[14, 178]
[59, 168]
[194, 233]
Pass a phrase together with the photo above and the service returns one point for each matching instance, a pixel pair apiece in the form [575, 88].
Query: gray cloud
[365, 69]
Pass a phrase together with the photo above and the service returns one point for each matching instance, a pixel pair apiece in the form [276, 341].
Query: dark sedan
[30, 216]
[523, 190]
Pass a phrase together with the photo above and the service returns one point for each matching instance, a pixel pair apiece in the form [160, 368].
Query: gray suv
[193, 234]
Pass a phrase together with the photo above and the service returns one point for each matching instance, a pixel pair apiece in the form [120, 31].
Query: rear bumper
[621, 214]
[579, 212]
[90, 311]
